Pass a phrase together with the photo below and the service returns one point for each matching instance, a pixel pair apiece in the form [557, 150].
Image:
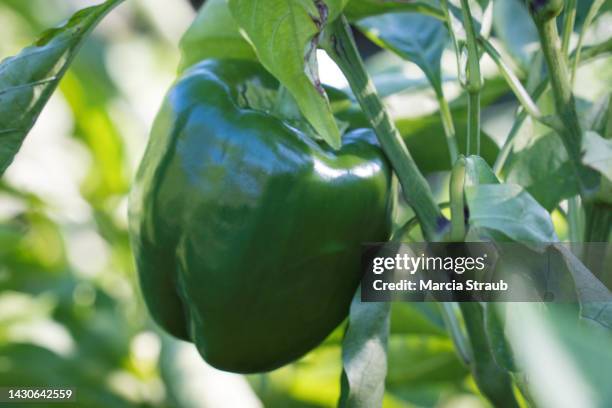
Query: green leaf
[417, 360]
[515, 28]
[358, 9]
[503, 208]
[414, 37]
[214, 34]
[28, 80]
[493, 381]
[588, 287]
[544, 171]
[570, 360]
[364, 354]
[495, 323]
[416, 319]
[582, 9]
[599, 117]
[597, 153]
[477, 171]
[285, 36]
[509, 209]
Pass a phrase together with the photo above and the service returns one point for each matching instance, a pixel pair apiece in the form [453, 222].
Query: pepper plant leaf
[285, 35]
[543, 170]
[477, 171]
[504, 208]
[516, 30]
[509, 209]
[358, 9]
[414, 37]
[495, 323]
[597, 153]
[588, 287]
[580, 356]
[364, 354]
[214, 34]
[28, 79]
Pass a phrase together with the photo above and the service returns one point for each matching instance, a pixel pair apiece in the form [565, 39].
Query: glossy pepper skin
[247, 232]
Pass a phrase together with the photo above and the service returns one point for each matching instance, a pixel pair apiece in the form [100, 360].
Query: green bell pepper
[246, 231]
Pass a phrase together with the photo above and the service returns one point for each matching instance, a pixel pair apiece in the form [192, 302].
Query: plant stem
[448, 19]
[565, 105]
[597, 4]
[557, 69]
[474, 80]
[593, 51]
[457, 202]
[505, 153]
[340, 45]
[515, 84]
[449, 127]
[506, 150]
[574, 219]
[453, 325]
[575, 223]
[473, 126]
[568, 26]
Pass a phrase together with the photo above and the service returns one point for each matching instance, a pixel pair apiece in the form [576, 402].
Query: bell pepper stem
[448, 126]
[474, 80]
[506, 151]
[571, 133]
[473, 126]
[340, 46]
[457, 201]
[512, 80]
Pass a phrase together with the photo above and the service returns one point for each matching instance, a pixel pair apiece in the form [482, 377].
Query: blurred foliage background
[70, 311]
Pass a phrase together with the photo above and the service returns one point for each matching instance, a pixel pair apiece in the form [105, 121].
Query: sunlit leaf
[505, 208]
[28, 79]
[509, 209]
[597, 153]
[477, 171]
[570, 360]
[285, 36]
